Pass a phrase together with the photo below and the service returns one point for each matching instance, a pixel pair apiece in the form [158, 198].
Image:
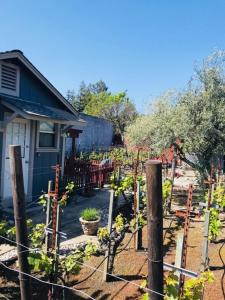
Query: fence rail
[87, 174]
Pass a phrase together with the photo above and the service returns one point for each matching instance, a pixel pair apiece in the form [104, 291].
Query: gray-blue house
[36, 116]
[96, 135]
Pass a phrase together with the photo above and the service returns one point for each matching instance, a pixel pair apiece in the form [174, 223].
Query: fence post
[155, 228]
[20, 219]
[110, 219]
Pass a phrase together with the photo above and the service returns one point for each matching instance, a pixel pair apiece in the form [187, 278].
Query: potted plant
[90, 218]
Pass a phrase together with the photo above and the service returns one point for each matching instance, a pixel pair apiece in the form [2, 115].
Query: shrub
[90, 214]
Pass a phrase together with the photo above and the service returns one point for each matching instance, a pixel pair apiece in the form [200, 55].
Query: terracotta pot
[89, 227]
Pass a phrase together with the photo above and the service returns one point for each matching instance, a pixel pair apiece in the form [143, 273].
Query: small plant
[193, 288]
[40, 262]
[3, 228]
[36, 235]
[11, 232]
[69, 191]
[90, 214]
[166, 190]
[215, 224]
[103, 234]
[120, 186]
[119, 223]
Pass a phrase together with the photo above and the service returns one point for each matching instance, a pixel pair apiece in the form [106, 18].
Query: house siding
[1, 144]
[33, 90]
[43, 171]
[97, 133]
[3, 110]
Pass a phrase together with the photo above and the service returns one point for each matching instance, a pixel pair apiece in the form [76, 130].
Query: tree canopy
[96, 100]
[193, 121]
[85, 94]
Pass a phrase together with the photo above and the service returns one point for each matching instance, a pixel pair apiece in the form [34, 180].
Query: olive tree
[192, 121]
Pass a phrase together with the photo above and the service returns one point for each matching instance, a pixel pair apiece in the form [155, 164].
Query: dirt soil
[132, 266]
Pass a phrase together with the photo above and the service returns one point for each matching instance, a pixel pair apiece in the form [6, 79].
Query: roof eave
[40, 76]
[32, 116]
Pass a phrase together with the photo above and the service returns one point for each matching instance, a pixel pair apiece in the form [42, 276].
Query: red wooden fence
[87, 174]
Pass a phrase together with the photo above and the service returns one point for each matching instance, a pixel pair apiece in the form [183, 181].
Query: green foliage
[40, 262]
[116, 108]
[118, 154]
[119, 223]
[70, 187]
[90, 249]
[3, 228]
[193, 287]
[70, 264]
[90, 214]
[120, 186]
[43, 201]
[11, 232]
[96, 156]
[95, 99]
[85, 94]
[218, 196]
[69, 190]
[215, 224]
[103, 234]
[140, 219]
[171, 287]
[36, 235]
[193, 121]
[166, 189]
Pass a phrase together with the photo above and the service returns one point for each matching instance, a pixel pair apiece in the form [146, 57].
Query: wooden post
[110, 219]
[205, 255]
[20, 219]
[73, 146]
[155, 228]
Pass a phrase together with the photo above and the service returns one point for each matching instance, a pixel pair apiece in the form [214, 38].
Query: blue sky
[142, 46]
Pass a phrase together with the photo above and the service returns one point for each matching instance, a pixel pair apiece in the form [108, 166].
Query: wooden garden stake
[155, 228]
[138, 244]
[135, 189]
[172, 180]
[20, 220]
[205, 257]
[48, 215]
[107, 254]
[185, 240]
[179, 251]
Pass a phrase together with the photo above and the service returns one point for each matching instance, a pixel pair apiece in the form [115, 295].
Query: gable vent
[9, 78]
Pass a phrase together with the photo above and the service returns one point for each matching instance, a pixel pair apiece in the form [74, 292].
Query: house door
[17, 133]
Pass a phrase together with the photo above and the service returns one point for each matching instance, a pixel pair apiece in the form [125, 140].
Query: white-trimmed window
[47, 136]
[9, 79]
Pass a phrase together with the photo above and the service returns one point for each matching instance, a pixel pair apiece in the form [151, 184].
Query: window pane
[47, 127]
[46, 140]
